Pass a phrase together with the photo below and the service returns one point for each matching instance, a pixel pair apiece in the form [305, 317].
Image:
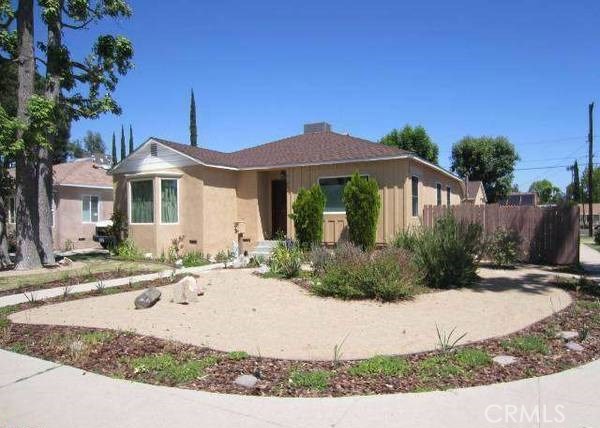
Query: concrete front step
[263, 249]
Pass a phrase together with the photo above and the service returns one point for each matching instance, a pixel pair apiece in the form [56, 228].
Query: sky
[526, 70]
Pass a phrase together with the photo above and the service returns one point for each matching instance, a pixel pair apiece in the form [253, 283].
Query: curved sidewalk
[37, 393]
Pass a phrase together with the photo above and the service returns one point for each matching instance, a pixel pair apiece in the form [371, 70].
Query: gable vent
[153, 149]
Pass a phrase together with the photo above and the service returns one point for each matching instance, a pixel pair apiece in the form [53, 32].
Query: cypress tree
[193, 129]
[123, 149]
[576, 184]
[130, 139]
[114, 150]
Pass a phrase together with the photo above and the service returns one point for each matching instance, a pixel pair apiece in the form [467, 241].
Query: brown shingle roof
[82, 172]
[317, 147]
[472, 189]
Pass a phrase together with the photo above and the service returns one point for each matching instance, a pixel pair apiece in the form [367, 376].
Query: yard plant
[308, 216]
[502, 247]
[447, 254]
[286, 259]
[362, 203]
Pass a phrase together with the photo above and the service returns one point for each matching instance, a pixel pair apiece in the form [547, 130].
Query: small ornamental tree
[308, 216]
[362, 202]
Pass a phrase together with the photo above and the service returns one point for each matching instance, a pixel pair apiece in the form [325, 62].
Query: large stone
[184, 291]
[147, 299]
[261, 270]
[504, 360]
[246, 381]
[197, 288]
[574, 346]
[240, 262]
[567, 335]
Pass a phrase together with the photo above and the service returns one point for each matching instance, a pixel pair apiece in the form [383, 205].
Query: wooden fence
[548, 234]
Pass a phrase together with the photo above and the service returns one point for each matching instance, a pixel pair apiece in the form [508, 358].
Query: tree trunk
[26, 199]
[4, 258]
[45, 159]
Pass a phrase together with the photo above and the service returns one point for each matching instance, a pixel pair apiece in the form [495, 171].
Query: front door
[278, 208]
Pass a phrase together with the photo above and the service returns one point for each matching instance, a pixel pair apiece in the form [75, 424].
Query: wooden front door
[278, 208]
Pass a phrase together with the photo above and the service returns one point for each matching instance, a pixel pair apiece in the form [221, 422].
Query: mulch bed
[113, 357]
[70, 280]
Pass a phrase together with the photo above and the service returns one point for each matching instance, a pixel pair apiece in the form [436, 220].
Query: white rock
[197, 288]
[262, 269]
[574, 346]
[240, 262]
[567, 335]
[246, 381]
[504, 360]
[183, 291]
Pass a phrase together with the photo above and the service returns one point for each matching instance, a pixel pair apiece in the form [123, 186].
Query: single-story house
[82, 197]
[475, 193]
[584, 212]
[214, 198]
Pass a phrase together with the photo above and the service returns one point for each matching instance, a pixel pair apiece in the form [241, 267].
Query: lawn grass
[237, 355]
[471, 358]
[316, 379]
[381, 365]
[166, 368]
[439, 367]
[93, 264]
[528, 344]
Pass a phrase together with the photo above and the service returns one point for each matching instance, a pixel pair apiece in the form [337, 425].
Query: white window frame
[129, 200]
[90, 196]
[176, 179]
[412, 196]
[11, 218]
[439, 201]
[338, 176]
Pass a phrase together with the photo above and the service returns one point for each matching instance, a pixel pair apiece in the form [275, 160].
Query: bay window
[169, 206]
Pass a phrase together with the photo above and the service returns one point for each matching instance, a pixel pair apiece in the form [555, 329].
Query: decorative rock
[574, 346]
[179, 262]
[65, 261]
[147, 299]
[184, 291]
[504, 360]
[240, 262]
[262, 270]
[246, 381]
[567, 335]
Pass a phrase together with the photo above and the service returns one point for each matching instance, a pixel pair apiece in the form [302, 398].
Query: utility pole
[590, 170]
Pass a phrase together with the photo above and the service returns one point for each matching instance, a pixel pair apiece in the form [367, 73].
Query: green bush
[194, 258]
[597, 236]
[308, 216]
[503, 247]
[447, 254]
[286, 260]
[362, 203]
[118, 229]
[128, 250]
[386, 275]
[320, 257]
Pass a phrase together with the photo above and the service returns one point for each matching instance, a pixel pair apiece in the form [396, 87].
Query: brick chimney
[311, 128]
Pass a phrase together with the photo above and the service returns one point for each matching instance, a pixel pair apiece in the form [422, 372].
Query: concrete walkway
[37, 393]
[590, 261]
[14, 299]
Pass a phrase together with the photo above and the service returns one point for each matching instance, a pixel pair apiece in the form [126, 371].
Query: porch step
[263, 249]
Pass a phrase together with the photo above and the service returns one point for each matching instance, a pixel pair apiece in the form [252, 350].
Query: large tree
[72, 90]
[595, 185]
[123, 148]
[488, 159]
[547, 192]
[93, 142]
[414, 140]
[114, 150]
[193, 129]
[574, 188]
[130, 139]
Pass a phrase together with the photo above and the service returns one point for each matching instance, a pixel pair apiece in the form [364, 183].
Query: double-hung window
[169, 206]
[438, 188]
[333, 188]
[448, 195]
[415, 196]
[142, 201]
[90, 209]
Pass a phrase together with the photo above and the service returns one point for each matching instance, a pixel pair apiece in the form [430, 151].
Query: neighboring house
[522, 199]
[475, 194]
[584, 212]
[82, 197]
[214, 198]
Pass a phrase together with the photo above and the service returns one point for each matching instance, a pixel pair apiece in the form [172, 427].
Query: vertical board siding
[548, 234]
